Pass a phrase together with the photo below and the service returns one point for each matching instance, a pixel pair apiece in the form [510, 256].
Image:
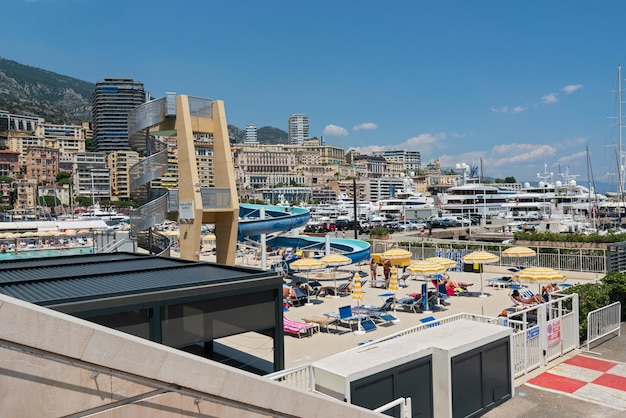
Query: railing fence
[603, 321]
[570, 259]
[540, 334]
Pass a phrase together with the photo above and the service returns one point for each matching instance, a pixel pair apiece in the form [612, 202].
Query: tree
[83, 200]
[62, 175]
[6, 179]
[510, 179]
[89, 146]
[51, 201]
[63, 178]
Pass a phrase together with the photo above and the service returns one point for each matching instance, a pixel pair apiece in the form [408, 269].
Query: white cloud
[423, 142]
[514, 154]
[576, 157]
[550, 98]
[334, 130]
[508, 109]
[368, 149]
[367, 126]
[571, 88]
[568, 143]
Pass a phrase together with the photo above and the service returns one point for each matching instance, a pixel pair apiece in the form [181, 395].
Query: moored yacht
[550, 199]
[477, 198]
[396, 207]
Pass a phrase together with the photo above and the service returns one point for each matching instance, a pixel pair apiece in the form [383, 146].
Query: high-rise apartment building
[111, 102]
[251, 134]
[298, 129]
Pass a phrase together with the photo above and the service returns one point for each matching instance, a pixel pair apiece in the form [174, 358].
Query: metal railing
[603, 321]
[571, 259]
[406, 410]
[543, 332]
[112, 246]
[148, 215]
[148, 169]
[540, 334]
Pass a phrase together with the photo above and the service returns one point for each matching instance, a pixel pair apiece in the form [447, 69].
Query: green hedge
[593, 296]
[610, 237]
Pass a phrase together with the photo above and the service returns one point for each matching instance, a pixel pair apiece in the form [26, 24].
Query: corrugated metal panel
[96, 277]
[33, 273]
[67, 260]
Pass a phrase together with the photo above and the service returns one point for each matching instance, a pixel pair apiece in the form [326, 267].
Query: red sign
[554, 333]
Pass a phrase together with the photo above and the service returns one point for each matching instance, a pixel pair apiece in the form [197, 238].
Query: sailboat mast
[619, 128]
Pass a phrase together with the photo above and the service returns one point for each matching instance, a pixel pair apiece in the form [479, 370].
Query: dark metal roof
[57, 280]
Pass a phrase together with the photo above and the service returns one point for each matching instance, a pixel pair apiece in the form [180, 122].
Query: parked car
[443, 223]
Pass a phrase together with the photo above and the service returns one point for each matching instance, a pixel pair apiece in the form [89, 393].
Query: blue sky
[518, 84]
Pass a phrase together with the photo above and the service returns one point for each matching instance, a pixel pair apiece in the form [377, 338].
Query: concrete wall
[53, 364]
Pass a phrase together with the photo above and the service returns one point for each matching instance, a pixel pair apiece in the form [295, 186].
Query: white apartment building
[260, 168]
[91, 176]
[383, 188]
[411, 160]
[298, 130]
[251, 135]
[369, 166]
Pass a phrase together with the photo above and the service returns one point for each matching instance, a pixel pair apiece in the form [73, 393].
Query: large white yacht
[478, 198]
[395, 207]
[552, 199]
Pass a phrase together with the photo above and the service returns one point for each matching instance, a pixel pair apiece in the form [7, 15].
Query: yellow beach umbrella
[519, 252]
[480, 257]
[307, 264]
[336, 260]
[393, 286]
[357, 296]
[446, 262]
[539, 276]
[424, 267]
[397, 256]
[394, 253]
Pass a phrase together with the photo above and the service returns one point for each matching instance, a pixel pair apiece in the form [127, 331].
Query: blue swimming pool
[23, 254]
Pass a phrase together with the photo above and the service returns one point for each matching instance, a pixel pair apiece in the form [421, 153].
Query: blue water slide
[283, 219]
[354, 249]
[277, 219]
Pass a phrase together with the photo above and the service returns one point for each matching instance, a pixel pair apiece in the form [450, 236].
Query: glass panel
[193, 322]
[132, 322]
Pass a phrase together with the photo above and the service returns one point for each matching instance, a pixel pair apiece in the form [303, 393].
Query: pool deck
[301, 351]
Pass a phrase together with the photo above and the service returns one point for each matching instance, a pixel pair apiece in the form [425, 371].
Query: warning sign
[185, 210]
[554, 333]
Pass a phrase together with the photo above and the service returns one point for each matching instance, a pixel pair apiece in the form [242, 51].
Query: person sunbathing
[531, 300]
[454, 284]
[548, 289]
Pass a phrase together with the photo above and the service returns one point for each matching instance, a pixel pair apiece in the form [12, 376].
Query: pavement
[579, 385]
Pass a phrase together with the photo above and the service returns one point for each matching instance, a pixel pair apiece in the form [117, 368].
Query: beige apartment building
[41, 164]
[9, 163]
[119, 163]
[25, 194]
[67, 139]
